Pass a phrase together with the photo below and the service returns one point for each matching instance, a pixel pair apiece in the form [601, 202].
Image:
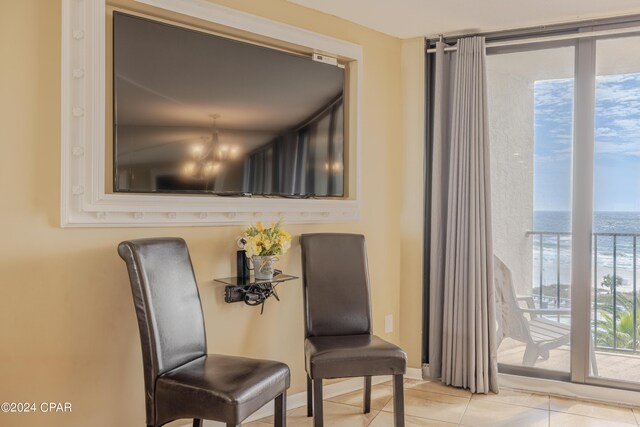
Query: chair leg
[280, 410]
[367, 395]
[197, 422]
[531, 354]
[317, 403]
[398, 400]
[309, 397]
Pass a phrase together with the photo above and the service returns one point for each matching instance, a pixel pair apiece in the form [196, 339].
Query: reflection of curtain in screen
[336, 144]
[305, 161]
[246, 175]
[323, 164]
[267, 176]
[261, 171]
[302, 149]
[286, 164]
[256, 173]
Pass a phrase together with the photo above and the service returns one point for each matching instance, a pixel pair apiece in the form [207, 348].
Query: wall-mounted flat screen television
[198, 113]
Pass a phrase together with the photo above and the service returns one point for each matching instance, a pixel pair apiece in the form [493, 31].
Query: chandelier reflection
[208, 155]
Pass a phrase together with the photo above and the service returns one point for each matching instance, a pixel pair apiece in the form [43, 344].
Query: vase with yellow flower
[263, 247]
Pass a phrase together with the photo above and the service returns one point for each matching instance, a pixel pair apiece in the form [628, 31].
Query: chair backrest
[336, 285]
[167, 303]
[510, 318]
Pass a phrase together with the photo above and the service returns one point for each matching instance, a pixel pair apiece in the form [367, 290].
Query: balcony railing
[613, 309]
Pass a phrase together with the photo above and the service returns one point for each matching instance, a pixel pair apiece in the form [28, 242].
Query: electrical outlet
[388, 323]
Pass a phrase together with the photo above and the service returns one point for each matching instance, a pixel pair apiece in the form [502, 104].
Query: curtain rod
[597, 33]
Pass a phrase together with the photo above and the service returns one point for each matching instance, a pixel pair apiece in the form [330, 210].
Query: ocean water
[626, 226]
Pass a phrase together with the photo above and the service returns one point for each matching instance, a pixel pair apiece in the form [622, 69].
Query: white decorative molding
[84, 200]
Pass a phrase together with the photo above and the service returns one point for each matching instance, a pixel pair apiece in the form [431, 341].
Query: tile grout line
[586, 416]
[374, 418]
[465, 411]
[469, 398]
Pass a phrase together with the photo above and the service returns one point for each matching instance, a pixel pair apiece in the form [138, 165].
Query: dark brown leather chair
[338, 328]
[181, 379]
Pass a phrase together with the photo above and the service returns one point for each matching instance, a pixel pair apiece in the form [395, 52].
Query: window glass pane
[616, 217]
[531, 122]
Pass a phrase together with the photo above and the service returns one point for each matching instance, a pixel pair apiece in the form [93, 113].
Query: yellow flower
[251, 247]
[266, 243]
[284, 234]
[263, 241]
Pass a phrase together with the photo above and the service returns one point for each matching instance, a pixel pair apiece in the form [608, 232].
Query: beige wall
[412, 203]
[67, 325]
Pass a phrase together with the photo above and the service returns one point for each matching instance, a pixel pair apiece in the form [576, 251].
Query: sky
[617, 144]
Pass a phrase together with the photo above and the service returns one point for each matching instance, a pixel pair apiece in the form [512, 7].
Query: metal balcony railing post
[595, 288]
[615, 300]
[635, 299]
[558, 270]
[541, 269]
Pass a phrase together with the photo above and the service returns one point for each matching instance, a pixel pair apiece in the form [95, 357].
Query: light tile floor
[431, 404]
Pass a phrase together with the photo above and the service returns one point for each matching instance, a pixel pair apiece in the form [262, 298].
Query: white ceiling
[413, 18]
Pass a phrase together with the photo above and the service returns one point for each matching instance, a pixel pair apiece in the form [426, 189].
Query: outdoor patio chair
[540, 329]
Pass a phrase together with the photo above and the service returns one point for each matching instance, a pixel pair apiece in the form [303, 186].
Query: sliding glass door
[531, 126]
[615, 316]
[565, 159]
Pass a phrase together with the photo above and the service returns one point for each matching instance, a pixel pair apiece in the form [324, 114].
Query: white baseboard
[330, 390]
[414, 374]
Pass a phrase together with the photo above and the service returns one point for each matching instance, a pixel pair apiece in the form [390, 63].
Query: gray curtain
[462, 338]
